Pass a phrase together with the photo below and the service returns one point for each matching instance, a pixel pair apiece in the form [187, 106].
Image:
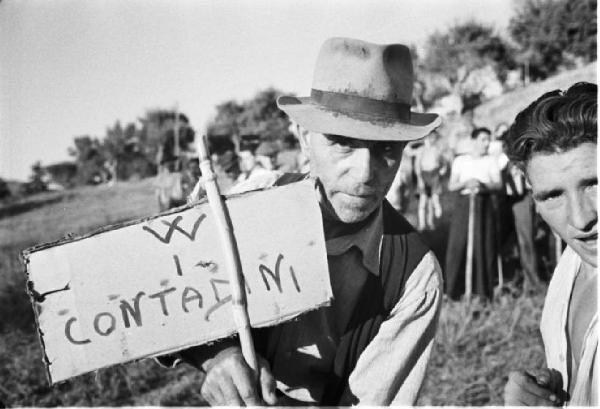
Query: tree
[4, 189]
[553, 33]
[126, 152]
[453, 57]
[257, 116]
[63, 173]
[465, 47]
[38, 180]
[89, 160]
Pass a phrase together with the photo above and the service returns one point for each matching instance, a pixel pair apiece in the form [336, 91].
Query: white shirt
[554, 333]
[483, 168]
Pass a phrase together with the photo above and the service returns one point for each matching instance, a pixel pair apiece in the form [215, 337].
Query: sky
[70, 68]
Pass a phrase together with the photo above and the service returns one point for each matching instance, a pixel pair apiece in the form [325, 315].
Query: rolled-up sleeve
[392, 367]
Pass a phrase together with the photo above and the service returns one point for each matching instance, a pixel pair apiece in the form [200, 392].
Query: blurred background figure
[252, 171]
[266, 154]
[496, 147]
[303, 163]
[430, 166]
[177, 161]
[522, 212]
[289, 159]
[403, 187]
[474, 173]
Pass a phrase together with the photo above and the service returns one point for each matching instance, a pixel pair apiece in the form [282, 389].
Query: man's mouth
[588, 239]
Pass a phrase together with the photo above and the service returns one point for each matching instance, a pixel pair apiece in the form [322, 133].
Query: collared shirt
[554, 333]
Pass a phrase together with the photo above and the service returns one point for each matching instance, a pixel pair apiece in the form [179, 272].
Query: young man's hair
[556, 122]
[482, 129]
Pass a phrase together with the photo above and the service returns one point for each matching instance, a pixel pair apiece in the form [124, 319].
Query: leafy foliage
[465, 47]
[464, 60]
[4, 189]
[554, 33]
[256, 116]
[125, 152]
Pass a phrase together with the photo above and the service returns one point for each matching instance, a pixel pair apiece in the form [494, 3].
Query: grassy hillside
[477, 345]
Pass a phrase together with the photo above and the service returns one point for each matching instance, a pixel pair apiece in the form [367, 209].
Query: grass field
[477, 344]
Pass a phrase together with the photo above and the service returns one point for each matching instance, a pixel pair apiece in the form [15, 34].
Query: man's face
[355, 174]
[564, 187]
[481, 143]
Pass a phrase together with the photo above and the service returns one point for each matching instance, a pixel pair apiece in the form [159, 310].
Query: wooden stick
[500, 272]
[234, 266]
[470, 239]
[496, 215]
[557, 247]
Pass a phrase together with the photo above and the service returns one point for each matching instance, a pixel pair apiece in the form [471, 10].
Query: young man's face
[564, 187]
[355, 174]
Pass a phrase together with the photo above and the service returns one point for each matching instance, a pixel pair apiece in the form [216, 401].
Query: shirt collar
[367, 240]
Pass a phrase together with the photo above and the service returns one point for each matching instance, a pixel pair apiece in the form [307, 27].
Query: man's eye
[591, 184]
[550, 198]
[387, 148]
[340, 141]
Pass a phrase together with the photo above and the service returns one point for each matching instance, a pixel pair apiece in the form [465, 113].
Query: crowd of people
[361, 141]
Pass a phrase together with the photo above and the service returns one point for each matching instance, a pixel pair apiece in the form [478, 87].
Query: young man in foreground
[372, 345]
[554, 142]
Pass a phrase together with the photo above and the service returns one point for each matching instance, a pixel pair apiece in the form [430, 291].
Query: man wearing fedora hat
[371, 346]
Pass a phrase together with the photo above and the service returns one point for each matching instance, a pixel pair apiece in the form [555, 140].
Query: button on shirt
[392, 367]
[554, 333]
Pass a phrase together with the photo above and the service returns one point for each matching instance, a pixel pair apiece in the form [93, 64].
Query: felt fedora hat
[361, 90]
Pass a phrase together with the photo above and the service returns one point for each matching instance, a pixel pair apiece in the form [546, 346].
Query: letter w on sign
[158, 285]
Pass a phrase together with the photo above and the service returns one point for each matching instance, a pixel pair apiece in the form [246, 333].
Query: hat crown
[359, 68]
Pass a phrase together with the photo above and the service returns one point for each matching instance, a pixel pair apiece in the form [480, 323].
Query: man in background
[430, 166]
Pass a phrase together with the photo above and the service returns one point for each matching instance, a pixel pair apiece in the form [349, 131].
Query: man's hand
[534, 388]
[230, 381]
[474, 185]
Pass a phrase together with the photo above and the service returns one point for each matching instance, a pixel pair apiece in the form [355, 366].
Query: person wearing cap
[372, 345]
[554, 142]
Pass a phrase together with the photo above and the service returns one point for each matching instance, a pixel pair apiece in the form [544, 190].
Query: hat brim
[316, 118]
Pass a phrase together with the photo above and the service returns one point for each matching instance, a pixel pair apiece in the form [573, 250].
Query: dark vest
[401, 251]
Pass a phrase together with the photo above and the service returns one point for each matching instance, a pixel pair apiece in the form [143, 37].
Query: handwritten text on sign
[160, 285]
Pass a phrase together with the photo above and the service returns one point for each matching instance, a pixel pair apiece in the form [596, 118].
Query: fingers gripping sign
[230, 381]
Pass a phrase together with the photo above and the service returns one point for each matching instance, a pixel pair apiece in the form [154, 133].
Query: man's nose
[362, 164]
[583, 212]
